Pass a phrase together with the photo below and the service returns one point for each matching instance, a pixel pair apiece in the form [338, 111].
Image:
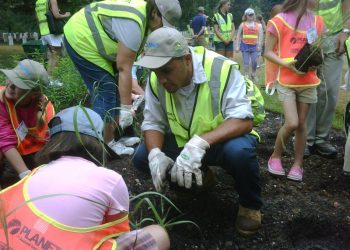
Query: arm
[201, 32]
[153, 139]
[125, 59]
[228, 129]
[238, 38]
[346, 20]
[275, 10]
[232, 36]
[260, 37]
[155, 121]
[204, 25]
[218, 33]
[16, 160]
[236, 110]
[56, 11]
[270, 42]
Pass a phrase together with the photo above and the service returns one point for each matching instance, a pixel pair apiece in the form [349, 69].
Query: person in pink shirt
[288, 32]
[24, 114]
[75, 197]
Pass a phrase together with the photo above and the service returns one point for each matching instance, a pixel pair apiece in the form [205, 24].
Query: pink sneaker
[275, 167]
[295, 173]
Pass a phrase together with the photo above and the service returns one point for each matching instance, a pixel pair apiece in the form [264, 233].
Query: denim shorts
[222, 46]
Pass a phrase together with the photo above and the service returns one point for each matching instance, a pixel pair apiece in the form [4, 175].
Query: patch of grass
[73, 90]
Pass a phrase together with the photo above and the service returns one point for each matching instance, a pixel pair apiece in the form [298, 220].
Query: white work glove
[125, 116]
[159, 164]
[189, 162]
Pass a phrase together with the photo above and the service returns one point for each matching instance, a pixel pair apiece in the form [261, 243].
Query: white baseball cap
[162, 45]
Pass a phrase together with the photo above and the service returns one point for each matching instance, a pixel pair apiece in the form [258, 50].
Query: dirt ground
[314, 214]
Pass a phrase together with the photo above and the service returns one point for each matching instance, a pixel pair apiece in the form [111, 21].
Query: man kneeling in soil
[196, 117]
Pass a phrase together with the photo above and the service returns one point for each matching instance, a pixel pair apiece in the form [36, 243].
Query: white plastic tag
[311, 35]
[22, 131]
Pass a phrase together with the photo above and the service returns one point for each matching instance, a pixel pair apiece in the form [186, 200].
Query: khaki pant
[320, 117]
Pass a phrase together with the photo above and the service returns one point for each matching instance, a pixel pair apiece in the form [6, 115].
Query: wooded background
[19, 15]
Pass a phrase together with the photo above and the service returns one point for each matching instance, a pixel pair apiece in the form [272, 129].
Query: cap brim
[14, 79]
[166, 23]
[153, 62]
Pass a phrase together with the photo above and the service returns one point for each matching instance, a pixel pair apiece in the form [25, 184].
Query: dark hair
[290, 5]
[221, 3]
[70, 144]
[150, 6]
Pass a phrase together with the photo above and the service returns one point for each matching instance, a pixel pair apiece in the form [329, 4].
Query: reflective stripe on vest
[331, 12]
[257, 102]
[41, 9]
[29, 228]
[86, 34]
[36, 137]
[224, 27]
[206, 114]
[289, 43]
[347, 49]
[250, 34]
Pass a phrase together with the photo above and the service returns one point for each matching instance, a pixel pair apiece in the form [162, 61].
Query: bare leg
[109, 129]
[53, 58]
[290, 124]
[150, 237]
[221, 52]
[300, 134]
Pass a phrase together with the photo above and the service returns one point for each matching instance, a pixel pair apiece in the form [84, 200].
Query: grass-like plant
[161, 213]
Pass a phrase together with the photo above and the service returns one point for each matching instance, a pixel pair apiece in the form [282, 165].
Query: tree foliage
[19, 15]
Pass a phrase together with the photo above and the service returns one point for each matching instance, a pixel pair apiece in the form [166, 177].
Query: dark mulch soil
[314, 214]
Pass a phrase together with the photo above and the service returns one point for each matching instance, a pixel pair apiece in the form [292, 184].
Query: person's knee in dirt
[25, 113]
[184, 133]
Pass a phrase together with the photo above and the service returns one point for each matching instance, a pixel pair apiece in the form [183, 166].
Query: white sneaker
[344, 87]
[129, 141]
[55, 82]
[120, 148]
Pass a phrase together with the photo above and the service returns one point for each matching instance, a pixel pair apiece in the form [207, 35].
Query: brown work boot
[248, 221]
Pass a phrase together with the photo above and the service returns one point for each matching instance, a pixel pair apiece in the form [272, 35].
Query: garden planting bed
[313, 214]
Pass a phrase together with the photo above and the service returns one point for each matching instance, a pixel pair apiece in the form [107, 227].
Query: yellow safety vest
[86, 34]
[331, 12]
[41, 9]
[207, 113]
[225, 28]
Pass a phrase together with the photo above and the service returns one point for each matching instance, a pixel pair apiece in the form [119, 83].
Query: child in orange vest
[82, 205]
[24, 114]
[249, 41]
[286, 34]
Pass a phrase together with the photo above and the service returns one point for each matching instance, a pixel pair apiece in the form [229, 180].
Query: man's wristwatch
[347, 31]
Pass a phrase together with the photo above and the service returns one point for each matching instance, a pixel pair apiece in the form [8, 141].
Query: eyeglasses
[250, 14]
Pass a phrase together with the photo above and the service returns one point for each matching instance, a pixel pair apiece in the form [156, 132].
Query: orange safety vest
[29, 228]
[289, 43]
[36, 137]
[250, 34]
